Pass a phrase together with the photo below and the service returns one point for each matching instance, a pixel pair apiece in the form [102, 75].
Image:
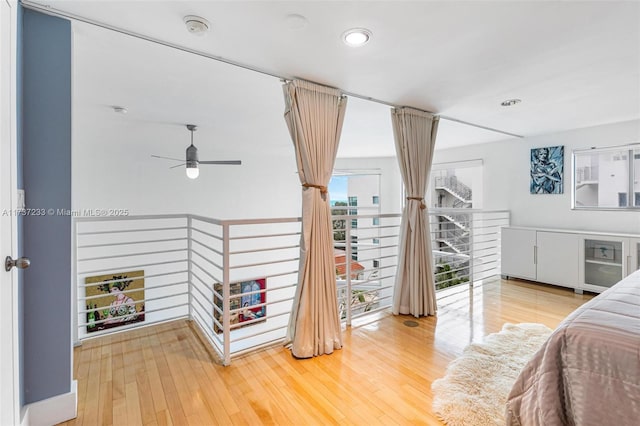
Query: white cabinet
[518, 253]
[558, 258]
[567, 258]
[548, 257]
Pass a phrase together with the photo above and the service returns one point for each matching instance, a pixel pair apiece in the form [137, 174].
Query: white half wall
[506, 178]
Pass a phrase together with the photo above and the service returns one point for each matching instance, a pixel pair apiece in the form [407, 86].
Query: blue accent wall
[45, 119]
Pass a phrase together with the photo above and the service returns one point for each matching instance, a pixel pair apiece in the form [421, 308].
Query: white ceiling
[574, 64]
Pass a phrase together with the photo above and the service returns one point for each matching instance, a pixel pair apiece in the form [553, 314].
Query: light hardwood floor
[164, 374]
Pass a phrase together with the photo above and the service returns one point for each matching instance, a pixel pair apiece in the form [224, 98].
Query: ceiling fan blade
[228, 162]
[168, 158]
[179, 165]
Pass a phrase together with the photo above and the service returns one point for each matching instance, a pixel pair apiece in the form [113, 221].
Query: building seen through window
[607, 178]
[453, 188]
[356, 193]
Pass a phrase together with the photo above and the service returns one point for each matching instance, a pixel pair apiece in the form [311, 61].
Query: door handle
[20, 263]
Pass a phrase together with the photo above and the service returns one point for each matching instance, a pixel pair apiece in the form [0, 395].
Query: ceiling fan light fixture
[192, 155]
[192, 162]
[356, 37]
[193, 171]
[196, 25]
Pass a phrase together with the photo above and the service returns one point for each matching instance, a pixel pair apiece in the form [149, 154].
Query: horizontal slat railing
[468, 250]
[252, 282]
[140, 261]
[366, 262]
[236, 279]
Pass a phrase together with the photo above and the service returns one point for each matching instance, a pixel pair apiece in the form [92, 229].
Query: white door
[9, 360]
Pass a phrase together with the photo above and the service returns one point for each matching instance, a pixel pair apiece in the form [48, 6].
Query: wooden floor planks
[165, 375]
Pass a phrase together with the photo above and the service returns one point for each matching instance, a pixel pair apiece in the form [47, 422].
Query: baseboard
[53, 410]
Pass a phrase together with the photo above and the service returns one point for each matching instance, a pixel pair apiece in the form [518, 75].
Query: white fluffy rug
[476, 385]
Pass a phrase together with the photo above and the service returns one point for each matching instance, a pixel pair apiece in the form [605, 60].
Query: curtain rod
[59, 13]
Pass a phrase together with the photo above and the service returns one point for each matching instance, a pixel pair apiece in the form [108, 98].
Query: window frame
[631, 149]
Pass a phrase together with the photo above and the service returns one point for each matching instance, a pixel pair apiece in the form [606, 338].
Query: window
[376, 241]
[456, 185]
[607, 178]
[354, 247]
[622, 199]
[354, 193]
[353, 201]
[376, 263]
[376, 221]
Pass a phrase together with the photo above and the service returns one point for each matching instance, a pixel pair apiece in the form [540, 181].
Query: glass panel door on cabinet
[602, 262]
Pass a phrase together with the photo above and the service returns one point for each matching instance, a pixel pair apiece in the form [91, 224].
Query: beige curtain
[415, 136]
[314, 115]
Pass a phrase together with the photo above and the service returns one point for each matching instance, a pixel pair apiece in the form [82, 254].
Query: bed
[588, 371]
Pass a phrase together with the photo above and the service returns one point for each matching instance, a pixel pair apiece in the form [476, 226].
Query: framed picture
[114, 300]
[547, 170]
[604, 252]
[252, 294]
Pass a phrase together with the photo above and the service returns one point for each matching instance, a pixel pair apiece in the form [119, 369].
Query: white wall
[113, 168]
[239, 114]
[506, 178]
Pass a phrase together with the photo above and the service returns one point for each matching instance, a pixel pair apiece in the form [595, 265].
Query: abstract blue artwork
[547, 170]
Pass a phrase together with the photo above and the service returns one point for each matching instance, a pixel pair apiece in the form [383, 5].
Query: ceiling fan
[192, 161]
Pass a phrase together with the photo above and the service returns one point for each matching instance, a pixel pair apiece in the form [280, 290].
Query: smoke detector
[510, 102]
[196, 25]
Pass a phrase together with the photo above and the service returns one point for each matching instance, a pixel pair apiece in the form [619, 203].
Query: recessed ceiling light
[510, 102]
[356, 37]
[196, 25]
[120, 110]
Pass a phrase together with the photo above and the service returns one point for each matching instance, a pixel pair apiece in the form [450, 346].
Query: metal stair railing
[453, 230]
[458, 220]
[455, 187]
